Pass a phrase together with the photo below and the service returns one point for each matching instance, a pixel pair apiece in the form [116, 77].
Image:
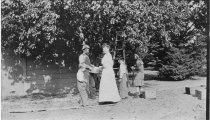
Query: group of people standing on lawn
[108, 89]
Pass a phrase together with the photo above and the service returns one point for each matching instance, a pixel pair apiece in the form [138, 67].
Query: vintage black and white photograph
[104, 59]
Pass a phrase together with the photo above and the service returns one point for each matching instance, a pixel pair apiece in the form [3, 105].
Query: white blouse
[107, 61]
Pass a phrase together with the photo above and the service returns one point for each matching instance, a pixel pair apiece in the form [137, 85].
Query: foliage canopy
[54, 30]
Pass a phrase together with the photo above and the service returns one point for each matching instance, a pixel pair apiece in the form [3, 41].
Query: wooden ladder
[119, 50]
[119, 45]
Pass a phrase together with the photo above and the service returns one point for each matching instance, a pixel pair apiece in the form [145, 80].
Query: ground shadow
[107, 103]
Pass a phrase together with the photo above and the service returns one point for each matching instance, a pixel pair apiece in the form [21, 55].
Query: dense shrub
[177, 65]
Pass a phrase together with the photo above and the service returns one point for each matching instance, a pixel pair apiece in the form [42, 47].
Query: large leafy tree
[53, 31]
[28, 28]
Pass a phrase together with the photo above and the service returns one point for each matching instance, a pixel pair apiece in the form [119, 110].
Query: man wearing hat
[83, 75]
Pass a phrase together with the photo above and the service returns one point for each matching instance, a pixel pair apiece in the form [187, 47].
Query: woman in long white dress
[108, 91]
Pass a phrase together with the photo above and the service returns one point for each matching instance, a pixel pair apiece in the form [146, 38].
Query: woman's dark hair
[105, 45]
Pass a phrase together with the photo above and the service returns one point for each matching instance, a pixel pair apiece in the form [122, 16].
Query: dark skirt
[139, 79]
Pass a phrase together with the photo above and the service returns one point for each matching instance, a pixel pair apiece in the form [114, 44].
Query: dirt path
[171, 104]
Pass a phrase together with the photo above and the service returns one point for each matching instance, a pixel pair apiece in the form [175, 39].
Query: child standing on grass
[123, 89]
